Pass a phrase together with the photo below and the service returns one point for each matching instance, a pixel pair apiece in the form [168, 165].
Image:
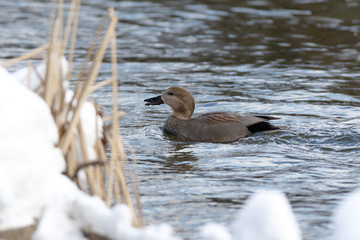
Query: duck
[216, 127]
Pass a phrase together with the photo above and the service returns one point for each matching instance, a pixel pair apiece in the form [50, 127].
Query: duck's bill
[154, 101]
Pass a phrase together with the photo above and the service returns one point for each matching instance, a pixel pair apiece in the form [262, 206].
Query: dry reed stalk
[108, 179]
[100, 85]
[94, 70]
[52, 17]
[126, 198]
[89, 55]
[71, 162]
[114, 158]
[117, 135]
[117, 191]
[110, 170]
[72, 25]
[95, 180]
[53, 80]
[27, 56]
[29, 67]
[134, 180]
[115, 143]
[85, 159]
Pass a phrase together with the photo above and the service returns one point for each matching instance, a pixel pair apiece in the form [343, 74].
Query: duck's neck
[174, 124]
[183, 112]
[184, 115]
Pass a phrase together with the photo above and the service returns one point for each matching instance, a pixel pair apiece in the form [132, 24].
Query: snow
[347, 218]
[214, 231]
[92, 125]
[267, 215]
[32, 185]
[32, 77]
[27, 153]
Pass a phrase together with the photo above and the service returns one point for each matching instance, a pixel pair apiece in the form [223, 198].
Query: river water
[298, 60]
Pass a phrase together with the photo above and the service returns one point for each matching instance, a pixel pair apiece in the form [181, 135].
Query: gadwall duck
[209, 127]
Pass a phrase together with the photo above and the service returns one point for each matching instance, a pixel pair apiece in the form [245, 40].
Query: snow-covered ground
[32, 186]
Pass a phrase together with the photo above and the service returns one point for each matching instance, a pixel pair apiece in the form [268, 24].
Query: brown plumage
[220, 117]
[208, 127]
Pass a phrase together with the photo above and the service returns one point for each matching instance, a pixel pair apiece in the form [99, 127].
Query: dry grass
[105, 175]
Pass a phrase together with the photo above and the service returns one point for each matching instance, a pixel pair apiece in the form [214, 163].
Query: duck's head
[180, 100]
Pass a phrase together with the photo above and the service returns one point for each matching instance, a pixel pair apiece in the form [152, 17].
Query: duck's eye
[171, 93]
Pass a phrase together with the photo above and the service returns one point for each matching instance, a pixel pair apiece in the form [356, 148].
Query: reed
[105, 176]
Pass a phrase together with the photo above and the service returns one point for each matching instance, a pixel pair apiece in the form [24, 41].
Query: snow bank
[91, 122]
[267, 215]
[214, 231]
[347, 218]
[32, 185]
[32, 77]
[27, 153]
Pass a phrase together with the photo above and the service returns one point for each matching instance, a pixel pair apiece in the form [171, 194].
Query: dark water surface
[298, 60]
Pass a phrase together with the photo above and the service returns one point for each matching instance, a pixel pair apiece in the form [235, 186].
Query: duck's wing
[223, 126]
[229, 117]
[252, 123]
[220, 117]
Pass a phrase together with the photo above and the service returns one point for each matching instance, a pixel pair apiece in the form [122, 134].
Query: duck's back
[217, 126]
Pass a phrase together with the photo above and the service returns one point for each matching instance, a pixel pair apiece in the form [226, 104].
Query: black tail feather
[268, 117]
[261, 126]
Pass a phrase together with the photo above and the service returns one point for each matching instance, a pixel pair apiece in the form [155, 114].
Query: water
[298, 60]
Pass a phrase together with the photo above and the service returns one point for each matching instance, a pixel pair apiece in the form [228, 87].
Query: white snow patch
[347, 218]
[267, 215]
[214, 231]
